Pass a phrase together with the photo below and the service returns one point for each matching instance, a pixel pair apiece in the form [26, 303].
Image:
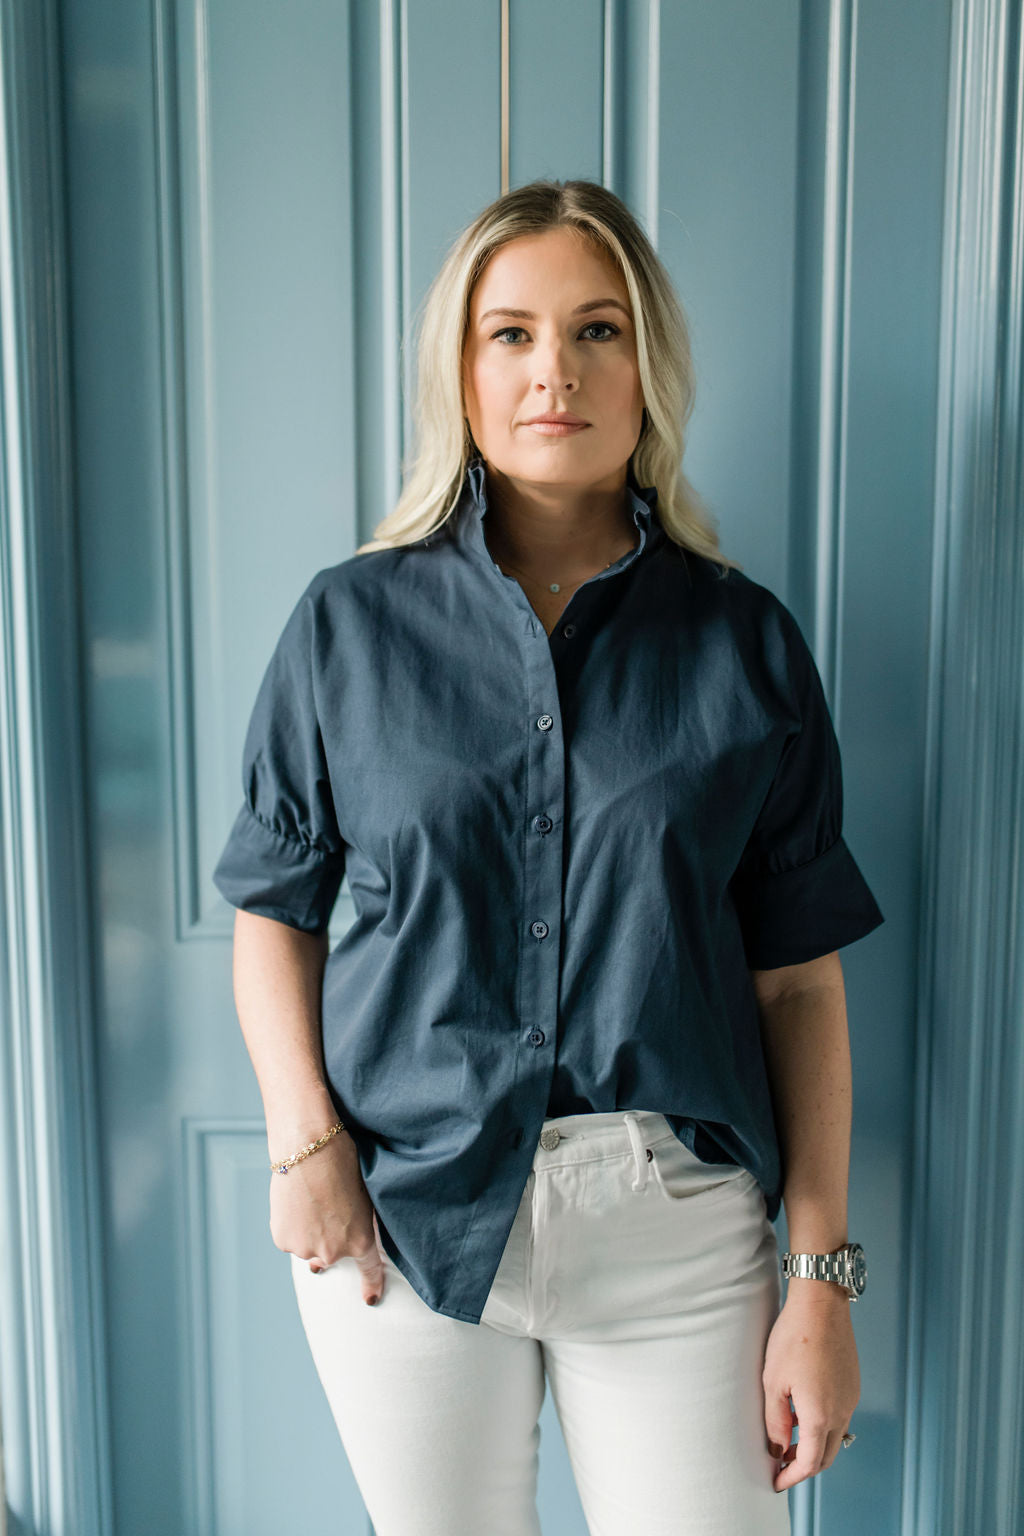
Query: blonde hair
[433, 479]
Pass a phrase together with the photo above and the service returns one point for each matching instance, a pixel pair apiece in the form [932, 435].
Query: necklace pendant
[554, 587]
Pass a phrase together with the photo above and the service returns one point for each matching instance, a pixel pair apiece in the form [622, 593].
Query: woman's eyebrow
[582, 309]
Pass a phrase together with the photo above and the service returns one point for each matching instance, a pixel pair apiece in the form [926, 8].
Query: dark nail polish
[371, 1301]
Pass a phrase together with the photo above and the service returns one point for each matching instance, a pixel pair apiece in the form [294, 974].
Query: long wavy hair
[432, 477]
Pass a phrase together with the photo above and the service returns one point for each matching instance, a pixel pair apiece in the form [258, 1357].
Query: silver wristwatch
[845, 1266]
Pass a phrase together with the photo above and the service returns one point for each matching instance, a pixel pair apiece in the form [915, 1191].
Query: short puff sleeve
[798, 891]
[284, 857]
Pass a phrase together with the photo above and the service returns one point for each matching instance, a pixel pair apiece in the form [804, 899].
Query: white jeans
[642, 1283]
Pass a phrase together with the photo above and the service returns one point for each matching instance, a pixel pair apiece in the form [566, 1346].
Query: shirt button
[568, 630]
[545, 723]
[539, 929]
[536, 1037]
[542, 823]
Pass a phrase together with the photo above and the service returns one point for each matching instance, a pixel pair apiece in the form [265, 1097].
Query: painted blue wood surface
[256, 199]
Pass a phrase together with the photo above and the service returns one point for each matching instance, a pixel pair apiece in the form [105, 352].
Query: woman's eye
[595, 325]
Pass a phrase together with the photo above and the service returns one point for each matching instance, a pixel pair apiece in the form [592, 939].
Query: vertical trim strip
[821, 349]
[652, 190]
[833, 403]
[965, 1417]
[53, 1383]
[506, 85]
[611, 48]
[393, 191]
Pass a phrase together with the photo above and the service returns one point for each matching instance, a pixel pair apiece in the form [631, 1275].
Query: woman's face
[571, 347]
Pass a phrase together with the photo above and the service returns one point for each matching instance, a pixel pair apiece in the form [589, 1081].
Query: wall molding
[185, 237]
[965, 1368]
[53, 1387]
[821, 316]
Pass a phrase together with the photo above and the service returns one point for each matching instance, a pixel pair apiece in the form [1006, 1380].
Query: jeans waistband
[581, 1138]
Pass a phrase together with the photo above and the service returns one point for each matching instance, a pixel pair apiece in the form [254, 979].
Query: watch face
[860, 1269]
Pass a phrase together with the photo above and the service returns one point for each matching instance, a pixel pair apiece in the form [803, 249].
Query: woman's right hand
[320, 1210]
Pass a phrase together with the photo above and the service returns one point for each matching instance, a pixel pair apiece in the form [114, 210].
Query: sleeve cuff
[263, 871]
[805, 912]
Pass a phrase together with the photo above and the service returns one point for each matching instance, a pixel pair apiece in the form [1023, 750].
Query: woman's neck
[557, 537]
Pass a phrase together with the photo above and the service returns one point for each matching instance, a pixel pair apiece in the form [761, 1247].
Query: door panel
[258, 198]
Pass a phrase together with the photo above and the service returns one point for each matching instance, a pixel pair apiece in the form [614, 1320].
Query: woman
[541, 1103]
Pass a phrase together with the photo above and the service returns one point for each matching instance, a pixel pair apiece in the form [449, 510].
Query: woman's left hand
[811, 1356]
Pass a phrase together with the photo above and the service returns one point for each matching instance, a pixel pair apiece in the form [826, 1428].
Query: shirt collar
[472, 509]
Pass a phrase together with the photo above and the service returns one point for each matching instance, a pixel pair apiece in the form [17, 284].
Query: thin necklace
[554, 586]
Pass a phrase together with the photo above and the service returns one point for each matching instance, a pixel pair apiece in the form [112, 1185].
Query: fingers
[372, 1271]
[832, 1445]
[779, 1419]
[804, 1459]
[370, 1265]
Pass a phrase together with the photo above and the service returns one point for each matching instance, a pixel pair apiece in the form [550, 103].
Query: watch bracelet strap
[814, 1266]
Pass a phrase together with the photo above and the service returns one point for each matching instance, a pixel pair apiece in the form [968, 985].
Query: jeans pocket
[680, 1175]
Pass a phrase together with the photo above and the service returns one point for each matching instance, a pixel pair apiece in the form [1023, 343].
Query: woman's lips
[556, 428]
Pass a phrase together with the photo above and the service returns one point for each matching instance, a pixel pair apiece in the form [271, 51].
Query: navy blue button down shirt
[563, 853]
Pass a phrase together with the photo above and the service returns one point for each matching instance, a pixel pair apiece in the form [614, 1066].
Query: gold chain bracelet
[314, 1146]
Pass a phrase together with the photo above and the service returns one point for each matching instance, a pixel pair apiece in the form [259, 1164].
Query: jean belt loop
[639, 1150]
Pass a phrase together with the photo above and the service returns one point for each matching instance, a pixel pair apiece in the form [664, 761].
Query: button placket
[543, 816]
